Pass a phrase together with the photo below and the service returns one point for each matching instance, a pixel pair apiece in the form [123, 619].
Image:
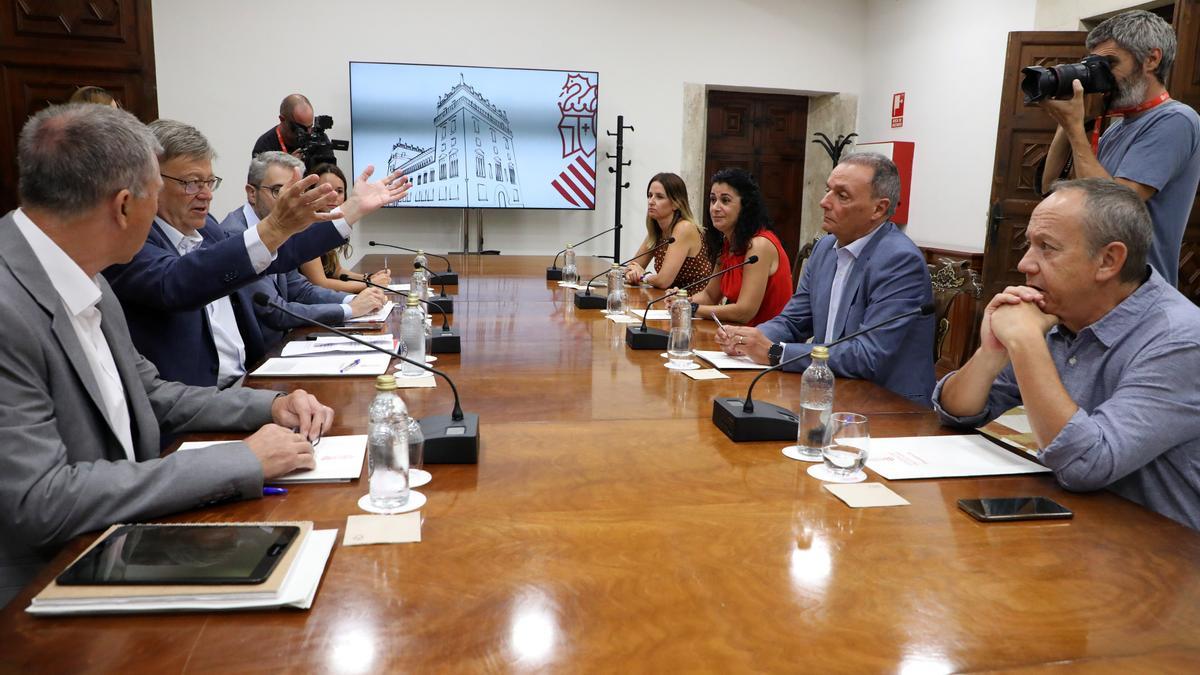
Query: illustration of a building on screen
[472, 137]
[472, 150]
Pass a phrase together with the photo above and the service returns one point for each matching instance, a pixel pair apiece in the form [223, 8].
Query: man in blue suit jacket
[183, 292]
[268, 174]
[868, 271]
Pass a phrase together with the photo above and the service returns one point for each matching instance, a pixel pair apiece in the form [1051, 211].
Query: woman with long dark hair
[755, 293]
[691, 256]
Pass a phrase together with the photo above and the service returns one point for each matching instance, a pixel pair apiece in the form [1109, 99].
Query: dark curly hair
[753, 215]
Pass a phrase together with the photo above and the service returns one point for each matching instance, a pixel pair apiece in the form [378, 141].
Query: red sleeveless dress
[779, 285]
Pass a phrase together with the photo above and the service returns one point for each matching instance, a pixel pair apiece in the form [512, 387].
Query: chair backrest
[951, 278]
[801, 256]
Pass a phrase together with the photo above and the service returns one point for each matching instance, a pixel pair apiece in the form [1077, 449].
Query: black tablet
[183, 554]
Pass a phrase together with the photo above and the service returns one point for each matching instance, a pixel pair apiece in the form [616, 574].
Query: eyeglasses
[192, 187]
[273, 189]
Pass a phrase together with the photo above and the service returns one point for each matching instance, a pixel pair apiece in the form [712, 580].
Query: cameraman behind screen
[1154, 148]
[295, 116]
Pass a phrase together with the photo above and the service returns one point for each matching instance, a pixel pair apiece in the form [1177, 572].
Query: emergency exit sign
[897, 110]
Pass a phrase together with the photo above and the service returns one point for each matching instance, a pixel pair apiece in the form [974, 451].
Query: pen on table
[350, 365]
[274, 491]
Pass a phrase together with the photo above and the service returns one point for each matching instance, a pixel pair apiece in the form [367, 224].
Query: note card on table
[865, 495]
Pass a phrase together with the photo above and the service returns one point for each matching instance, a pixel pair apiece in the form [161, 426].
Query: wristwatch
[775, 353]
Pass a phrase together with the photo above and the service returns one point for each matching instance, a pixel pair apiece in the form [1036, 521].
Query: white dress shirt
[342, 226]
[222, 322]
[846, 257]
[80, 295]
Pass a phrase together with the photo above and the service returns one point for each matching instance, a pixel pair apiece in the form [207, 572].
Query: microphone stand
[743, 420]
[449, 439]
[445, 341]
[656, 338]
[553, 273]
[447, 278]
[585, 300]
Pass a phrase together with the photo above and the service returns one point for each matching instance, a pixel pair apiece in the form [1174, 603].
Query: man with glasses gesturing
[183, 293]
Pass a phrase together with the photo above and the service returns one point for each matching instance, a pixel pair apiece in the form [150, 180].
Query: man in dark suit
[867, 271]
[269, 172]
[81, 412]
[181, 291]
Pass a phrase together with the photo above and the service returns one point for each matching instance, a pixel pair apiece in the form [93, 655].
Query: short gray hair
[71, 157]
[181, 140]
[258, 165]
[1113, 212]
[885, 183]
[1137, 32]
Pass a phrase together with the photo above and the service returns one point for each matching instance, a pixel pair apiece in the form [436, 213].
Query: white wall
[948, 58]
[1067, 14]
[224, 65]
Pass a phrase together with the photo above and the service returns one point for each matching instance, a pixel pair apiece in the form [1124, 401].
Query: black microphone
[654, 338]
[445, 341]
[449, 439]
[553, 273]
[448, 278]
[585, 300]
[739, 419]
[443, 303]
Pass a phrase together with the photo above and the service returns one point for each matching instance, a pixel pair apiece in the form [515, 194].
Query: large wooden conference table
[609, 526]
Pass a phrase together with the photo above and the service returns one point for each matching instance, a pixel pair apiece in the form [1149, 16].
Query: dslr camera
[315, 146]
[1092, 72]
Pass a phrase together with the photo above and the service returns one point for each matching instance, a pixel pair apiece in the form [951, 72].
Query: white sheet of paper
[724, 361]
[403, 528]
[339, 460]
[652, 315]
[330, 345]
[944, 457]
[400, 288]
[1016, 423]
[706, 374]
[380, 315]
[865, 495]
[622, 318]
[341, 365]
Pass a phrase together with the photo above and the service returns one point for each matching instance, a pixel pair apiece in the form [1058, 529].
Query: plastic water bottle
[412, 332]
[679, 343]
[816, 403]
[570, 273]
[420, 283]
[387, 446]
[616, 291]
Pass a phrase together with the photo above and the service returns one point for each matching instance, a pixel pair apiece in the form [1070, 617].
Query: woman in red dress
[757, 292]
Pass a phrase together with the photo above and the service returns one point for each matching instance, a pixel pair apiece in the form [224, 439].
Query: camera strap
[1122, 112]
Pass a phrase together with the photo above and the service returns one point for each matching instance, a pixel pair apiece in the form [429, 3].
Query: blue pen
[350, 365]
[274, 491]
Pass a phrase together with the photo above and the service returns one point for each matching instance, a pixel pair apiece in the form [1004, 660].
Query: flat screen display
[476, 137]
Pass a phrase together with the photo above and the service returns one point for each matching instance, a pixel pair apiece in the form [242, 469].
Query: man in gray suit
[81, 411]
[269, 173]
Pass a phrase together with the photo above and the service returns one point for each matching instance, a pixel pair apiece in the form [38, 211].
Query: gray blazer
[62, 470]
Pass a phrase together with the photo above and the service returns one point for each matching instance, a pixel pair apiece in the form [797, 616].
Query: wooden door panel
[777, 178]
[730, 124]
[1184, 86]
[783, 126]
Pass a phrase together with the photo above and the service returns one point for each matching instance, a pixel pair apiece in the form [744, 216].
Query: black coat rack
[620, 164]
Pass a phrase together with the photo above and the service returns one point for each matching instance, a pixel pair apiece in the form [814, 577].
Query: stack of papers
[724, 361]
[398, 288]
[380, 315]
[328, 345]
[293, 584]
[339, 460]
[341, 365]
[944, 457]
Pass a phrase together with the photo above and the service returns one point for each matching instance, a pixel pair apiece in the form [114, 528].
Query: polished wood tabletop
[609, 526]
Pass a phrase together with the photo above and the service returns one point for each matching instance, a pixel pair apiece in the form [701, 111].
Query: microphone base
[440, 305]
[447, 278]
[585, 301]
[651, 338]
[446, 342]
[768, 422]
[553, 274]
[450, 442]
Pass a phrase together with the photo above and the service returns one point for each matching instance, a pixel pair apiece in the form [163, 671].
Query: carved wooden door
[1022, 140]
[764, 134]
[48, 48]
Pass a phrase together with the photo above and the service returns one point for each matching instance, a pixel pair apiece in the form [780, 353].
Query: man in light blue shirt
[1099, 348]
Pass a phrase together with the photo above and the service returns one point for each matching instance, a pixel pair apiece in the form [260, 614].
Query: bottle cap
[820, 352]
[420, 252]
[616, 266]
[680, 293]
[412, 301]
[385, 383]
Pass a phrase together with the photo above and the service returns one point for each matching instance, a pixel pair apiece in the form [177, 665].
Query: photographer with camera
[295, 117]
[1153, 149]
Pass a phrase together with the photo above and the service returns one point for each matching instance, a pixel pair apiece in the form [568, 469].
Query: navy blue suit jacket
[289, 289]
[889, 278]
[164, 295]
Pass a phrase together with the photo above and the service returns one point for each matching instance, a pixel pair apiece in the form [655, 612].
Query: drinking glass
[849, 443]
[679, 349]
